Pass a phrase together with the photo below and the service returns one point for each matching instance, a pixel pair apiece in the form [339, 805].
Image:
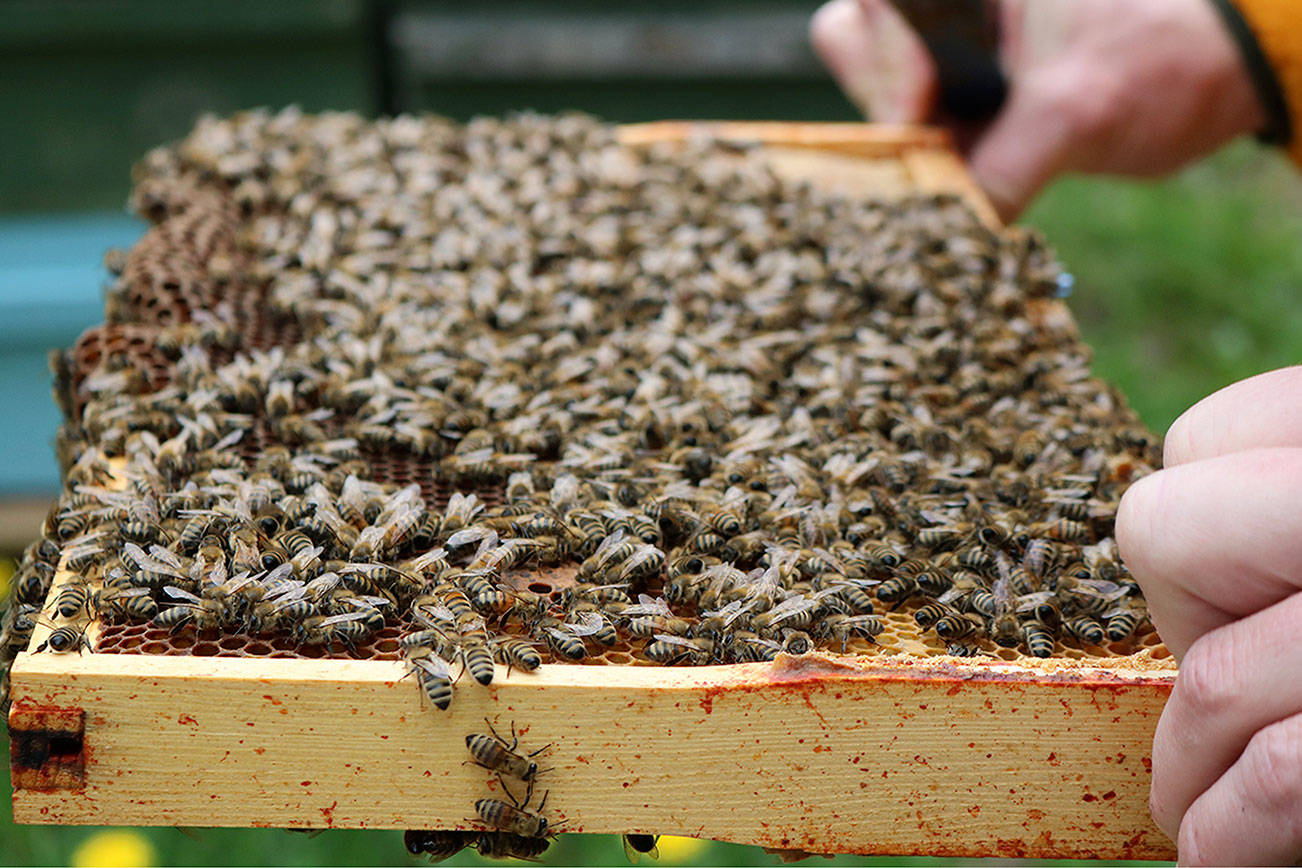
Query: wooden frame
[928, 756]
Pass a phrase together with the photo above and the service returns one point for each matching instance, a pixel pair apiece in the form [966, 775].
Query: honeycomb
[189, 271]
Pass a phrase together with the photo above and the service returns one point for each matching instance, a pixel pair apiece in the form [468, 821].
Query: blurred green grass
[1183, 286]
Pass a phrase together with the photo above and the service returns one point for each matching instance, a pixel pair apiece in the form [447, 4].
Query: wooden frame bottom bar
[815, 753]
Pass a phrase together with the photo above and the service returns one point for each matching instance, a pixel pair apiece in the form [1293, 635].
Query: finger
[1214, 540]
[880, 63]
[1233, 682]
[1026, 145]
[1250, 816]
[1261, 411]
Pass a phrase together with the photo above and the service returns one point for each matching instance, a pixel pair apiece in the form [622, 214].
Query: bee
[1123, 621]
[1028, 447]
[33, 583]
[497, 755]
[348, 628]
[591, 616]
[941, 537]
[508, 555]
[433, 675]
[127, 603]
[855, 594]
[676, 649]
[613, 550]
[560, 638]
[964, 649]
[505, 845]
[897, 589]
[884, 554]
[64, 640]
[635, 844]
[73, 599]
[438, 845]
[1066, 530]
[796, 642]
[1086, 629]
[1039, 641]
[478, 659]
[513, 818]
[720, 520]
[957, 626]
[845, 627]
[1039, 557]
[928, 615]
[519, 653]
[747, 647]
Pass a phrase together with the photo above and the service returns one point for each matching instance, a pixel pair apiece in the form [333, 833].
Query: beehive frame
[930, 756]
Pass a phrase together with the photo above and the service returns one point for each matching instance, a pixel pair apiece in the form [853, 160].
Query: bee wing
[766, 643]
[434, 665]
[279, 573]
[340, 619]
[607, 544]
[587, 624]
[791, 607]
[181, 594]
[670, 639]
[469, 536]
[432, 613]
[323, 584]
[367, 600]
[648, 605]
[150, 563]
[1105, 589]
[1027, 602]
[229, 440]
[287, 599]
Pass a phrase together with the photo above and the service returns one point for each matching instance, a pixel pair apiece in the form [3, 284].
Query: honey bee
[73, 599]
[844, 627]
[1039, 641]
[561, 638]
[433, 675]
[958, 626]
[348, 628]
[1086, 629]
[1123, 620]
[438, 845]
[635, 844]
[478, 658]
[505, 845]
[675, 649]
[894, 591]
[513, 818]
[519, 653]
[497, 755]
[64, 640]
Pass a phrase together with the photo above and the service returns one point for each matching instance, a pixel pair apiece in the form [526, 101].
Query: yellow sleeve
[1277, 25]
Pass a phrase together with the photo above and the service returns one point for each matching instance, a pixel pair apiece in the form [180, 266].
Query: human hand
[1095, 86]
[1215, 540]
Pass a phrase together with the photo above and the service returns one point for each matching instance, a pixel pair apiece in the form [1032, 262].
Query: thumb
[878, 60]
[1024, 147]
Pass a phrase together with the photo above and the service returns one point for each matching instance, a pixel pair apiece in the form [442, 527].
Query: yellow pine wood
[931, 756]
[819, 754]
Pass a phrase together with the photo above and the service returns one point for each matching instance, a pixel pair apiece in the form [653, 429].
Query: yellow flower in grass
[113, 848]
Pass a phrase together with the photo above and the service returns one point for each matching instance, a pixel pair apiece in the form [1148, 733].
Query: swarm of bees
[750, 416]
